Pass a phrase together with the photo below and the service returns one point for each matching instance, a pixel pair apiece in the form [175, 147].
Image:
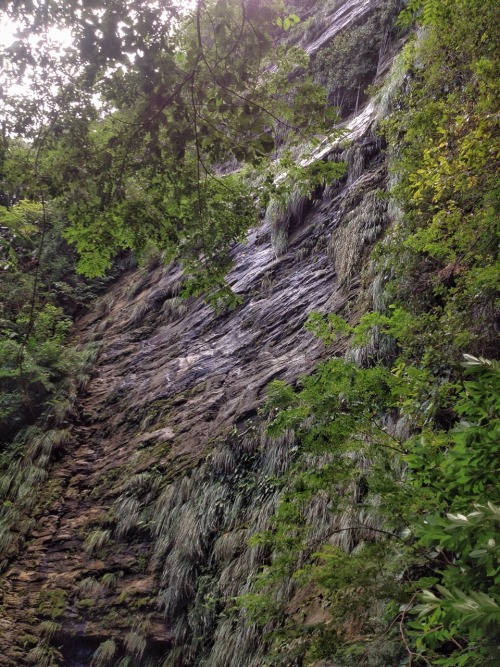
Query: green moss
[85, 603]
[157, 414]
[52, 603]
[110, 617]
[142, 563]
[28, 640]
[107, 481]
[143, 602]
[51, 489]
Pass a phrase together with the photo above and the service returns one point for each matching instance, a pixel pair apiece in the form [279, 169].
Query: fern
[426, 12]
[90, 588]
[110, 579]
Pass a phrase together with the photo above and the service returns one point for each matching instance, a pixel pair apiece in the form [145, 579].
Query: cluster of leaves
[41, 293]
[286, 181]
[426, 11]
[445, 140]
[461, 616]
[151, 99]
[40, 375]
[405, 537]
[337, 416]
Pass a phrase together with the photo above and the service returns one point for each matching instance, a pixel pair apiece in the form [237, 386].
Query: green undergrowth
[41, 371]
[34, 324]
[25, 462]
[41, 295]
[416, 522]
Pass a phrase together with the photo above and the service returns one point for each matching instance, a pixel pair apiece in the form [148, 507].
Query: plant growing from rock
[97, 540]
[104, 654]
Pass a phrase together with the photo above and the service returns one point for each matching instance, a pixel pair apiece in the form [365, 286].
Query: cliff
[166, 471]
[132, 542]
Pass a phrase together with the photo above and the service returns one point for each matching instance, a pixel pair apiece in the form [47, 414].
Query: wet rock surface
[174, 383]
[345, 13]
[171, 379]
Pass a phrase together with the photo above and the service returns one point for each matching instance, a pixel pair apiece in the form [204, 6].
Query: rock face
[141, 534]
[342, 15]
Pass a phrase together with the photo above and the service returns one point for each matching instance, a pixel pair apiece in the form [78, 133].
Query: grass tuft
[104, 654]
[97, 540]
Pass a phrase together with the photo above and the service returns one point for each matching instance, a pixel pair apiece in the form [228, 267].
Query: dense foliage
[154, 105]
[417, 521]
[40, 294]
[416, 580]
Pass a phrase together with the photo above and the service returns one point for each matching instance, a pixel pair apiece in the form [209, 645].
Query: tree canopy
[134, 127]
